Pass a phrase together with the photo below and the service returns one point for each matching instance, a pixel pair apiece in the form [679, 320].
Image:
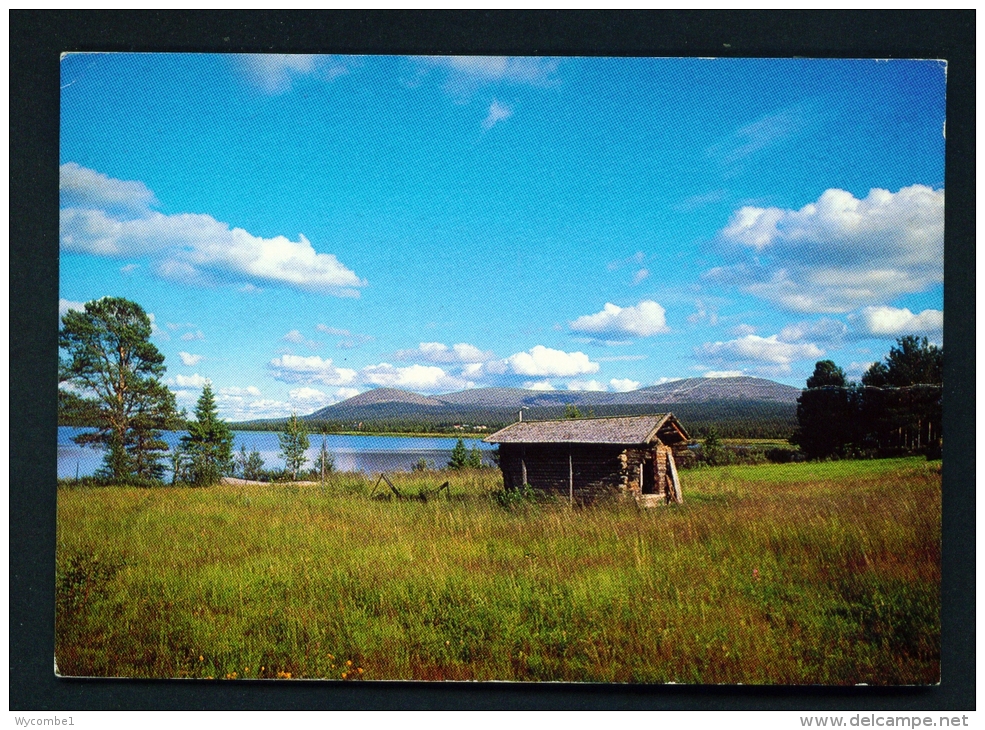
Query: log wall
[600, 470]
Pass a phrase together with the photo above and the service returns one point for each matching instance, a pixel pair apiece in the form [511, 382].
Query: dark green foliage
[513, 498]
[114, 372]
[826, 373]
[474, 458]
[293, 443]
[571, 411]
[459, 456]
[896, 409]
[912, 361]
[250, 465]
[209, 443]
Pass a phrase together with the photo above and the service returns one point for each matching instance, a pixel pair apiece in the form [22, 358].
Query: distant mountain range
[390, 403]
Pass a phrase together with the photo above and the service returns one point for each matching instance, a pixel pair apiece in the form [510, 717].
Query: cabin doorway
[648, 485]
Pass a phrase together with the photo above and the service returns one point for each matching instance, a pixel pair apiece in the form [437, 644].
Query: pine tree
[209, 443]
[114, 372]
[474, 459]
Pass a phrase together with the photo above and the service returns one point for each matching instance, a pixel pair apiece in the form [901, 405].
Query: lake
[369, 454]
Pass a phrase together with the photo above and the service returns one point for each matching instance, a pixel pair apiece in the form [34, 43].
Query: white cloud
[753, 348]
[190, 381]
[622, 358]
[295, 337]
[274, 73]
[80, 187]
[440, 353]
[129, 269]
[758, 135]
[538, 385]
[66, 304]
[892, 322]
[639, 276]
[196, 248]
[723, 374]
[645, 319]
[297, 369]
[839, 252]
[540, 360]
[238, 392]
[427, 378]
[196, 335]
[190, 360]
[623, 385]
[827, 331]
[703, 311]
[467, 73]
[592, 385]
[661, 381]
[497, 113]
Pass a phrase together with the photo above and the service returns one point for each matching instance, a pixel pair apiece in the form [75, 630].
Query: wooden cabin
[585, 459]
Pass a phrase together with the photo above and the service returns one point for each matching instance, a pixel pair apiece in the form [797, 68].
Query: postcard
[523, 369]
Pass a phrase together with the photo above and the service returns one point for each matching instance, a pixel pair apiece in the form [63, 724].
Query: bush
[512, 498]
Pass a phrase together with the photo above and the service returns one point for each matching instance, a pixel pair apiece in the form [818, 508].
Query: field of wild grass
[795, 573]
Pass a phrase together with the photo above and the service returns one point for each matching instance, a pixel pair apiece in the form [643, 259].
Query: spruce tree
[209, 443]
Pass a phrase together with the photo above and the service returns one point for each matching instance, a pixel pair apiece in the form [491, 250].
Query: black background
[36, 40]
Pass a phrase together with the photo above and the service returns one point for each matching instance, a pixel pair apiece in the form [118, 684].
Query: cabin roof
[629, 430]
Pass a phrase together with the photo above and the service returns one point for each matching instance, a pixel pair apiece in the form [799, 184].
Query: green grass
[796, 573]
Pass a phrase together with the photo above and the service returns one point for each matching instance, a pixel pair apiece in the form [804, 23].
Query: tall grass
[798, 573]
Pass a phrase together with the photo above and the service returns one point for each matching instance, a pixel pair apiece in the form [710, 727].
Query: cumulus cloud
[80, 187]
[274, 73]
[892, 322]
[723, 374]
[196, 248]
[756, 349]
[538, 385]
[190, 381]
[438, 352]
[623, 385]
[645, 319]
[427, 378]
[839, 252]
[297, 369]
[497, 113]
[190, 360]
[540, 360]
[235, 391]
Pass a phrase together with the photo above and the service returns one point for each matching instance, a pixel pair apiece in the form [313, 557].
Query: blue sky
[304, 228]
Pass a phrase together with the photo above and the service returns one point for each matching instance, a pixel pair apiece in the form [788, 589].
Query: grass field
[798, 573]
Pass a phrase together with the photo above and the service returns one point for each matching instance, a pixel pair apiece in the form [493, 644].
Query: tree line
[895, 409]
[110, 378]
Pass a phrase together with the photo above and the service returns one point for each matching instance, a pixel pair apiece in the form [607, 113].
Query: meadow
[825, 573]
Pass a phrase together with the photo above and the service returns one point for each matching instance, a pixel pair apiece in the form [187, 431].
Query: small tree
[459, 456]
[209, 442]
[254, 466]
[571, 411]
[293, 445]
[474, 459]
